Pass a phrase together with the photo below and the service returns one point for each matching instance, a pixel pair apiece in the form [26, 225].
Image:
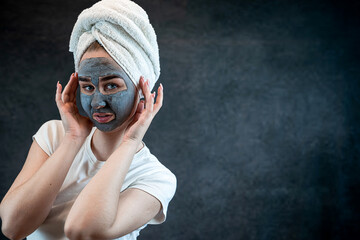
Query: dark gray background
[260, 121]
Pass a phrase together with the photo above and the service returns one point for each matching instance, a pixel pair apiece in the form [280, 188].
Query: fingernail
[162, 87]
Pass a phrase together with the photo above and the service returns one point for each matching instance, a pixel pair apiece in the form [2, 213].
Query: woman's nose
[98, 101]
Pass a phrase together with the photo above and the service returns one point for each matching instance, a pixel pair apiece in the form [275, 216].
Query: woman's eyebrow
[109, 77]
[84, 79]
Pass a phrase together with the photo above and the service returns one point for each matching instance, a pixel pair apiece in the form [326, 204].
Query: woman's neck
[103, 144]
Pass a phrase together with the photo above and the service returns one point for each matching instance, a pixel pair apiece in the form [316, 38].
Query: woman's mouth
[103, 117]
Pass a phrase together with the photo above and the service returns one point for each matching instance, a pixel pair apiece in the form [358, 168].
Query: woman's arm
[100, 204]
[29, 200]
[101, 211]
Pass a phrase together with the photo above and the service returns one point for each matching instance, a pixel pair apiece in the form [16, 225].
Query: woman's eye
[110, 86]
[88, 88]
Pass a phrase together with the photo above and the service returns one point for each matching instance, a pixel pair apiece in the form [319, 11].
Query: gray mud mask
[106, 107]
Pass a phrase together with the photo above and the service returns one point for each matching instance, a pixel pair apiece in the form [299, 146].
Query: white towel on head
[122, 27]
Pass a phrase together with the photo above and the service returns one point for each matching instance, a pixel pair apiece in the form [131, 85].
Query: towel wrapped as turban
[122, 27]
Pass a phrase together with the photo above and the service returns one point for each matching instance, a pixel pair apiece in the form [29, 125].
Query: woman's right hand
[76, 126]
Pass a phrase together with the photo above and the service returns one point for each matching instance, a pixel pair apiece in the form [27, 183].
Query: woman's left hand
[145, 112]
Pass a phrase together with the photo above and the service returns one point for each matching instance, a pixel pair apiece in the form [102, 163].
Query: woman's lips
[103, 117]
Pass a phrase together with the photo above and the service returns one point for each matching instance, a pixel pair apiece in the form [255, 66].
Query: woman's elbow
[72, 232]
[76, 232]
[11, 227]
[11, 232]
[6, 231]
[6, 228]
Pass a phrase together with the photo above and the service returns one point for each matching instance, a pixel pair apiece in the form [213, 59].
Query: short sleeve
[158, 181]
[49, 136]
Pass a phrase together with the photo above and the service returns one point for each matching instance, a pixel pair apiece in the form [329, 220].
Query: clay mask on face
[107, 94]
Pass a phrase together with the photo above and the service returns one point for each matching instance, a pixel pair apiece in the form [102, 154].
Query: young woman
[93, 177]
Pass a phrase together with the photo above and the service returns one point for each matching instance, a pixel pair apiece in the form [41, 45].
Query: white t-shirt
[145, 173]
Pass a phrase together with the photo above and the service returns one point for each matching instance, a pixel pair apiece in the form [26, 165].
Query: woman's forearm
[95, 209]
[27, 206]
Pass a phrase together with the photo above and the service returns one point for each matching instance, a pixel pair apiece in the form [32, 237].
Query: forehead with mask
[107, 94]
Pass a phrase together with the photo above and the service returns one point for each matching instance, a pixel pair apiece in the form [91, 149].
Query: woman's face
[106, 92]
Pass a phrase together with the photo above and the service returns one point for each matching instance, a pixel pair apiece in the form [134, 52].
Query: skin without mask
[107, 94]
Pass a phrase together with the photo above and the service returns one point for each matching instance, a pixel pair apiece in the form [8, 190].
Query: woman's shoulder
[52, 129]
[54, 125]
[146, 163]
[50, 135]
[144, 158]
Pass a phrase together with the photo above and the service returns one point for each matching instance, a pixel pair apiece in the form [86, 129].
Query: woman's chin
[111, 127]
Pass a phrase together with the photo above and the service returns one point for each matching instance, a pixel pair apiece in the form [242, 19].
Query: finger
[137, 114]
[159, 100]
[58, 99]
[140, 107]
[74, 86]
[139, 110]
[66, 95]
[149, 98]
[145, 89]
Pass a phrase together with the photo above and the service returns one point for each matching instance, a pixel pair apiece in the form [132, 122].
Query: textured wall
[260, 121]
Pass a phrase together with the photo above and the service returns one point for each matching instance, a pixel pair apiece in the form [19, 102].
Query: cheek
[85, 102]
[122, 103]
